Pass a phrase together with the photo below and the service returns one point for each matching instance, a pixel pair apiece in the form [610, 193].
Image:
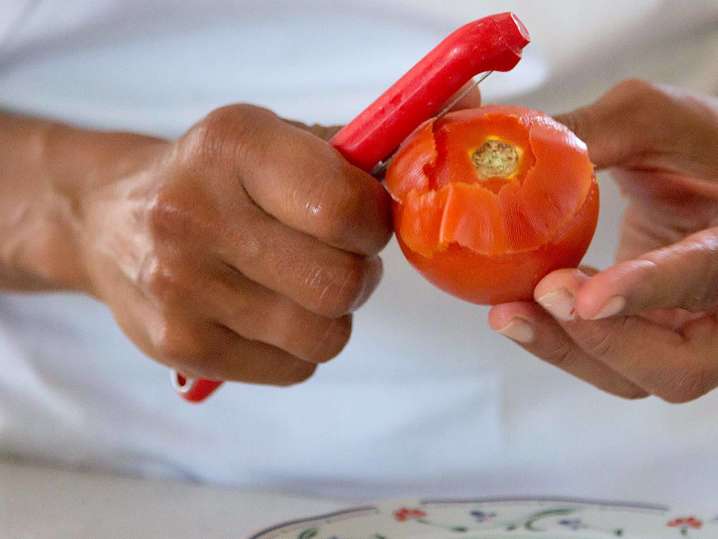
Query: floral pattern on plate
[497, 519]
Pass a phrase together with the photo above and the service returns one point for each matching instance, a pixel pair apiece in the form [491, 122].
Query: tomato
[488, 201]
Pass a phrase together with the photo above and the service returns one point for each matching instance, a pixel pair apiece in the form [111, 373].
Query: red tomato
[488, 201]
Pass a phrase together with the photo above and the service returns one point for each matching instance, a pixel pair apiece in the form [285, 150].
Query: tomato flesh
[490, 238]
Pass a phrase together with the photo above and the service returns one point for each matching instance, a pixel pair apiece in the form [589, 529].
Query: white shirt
[425, 399]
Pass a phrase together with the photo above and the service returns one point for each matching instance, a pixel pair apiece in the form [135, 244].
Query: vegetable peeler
[428, 89]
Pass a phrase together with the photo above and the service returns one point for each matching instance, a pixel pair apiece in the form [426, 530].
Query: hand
[647, 325]
[238, 252]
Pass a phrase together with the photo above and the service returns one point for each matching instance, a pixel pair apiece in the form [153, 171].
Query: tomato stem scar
[495, 159]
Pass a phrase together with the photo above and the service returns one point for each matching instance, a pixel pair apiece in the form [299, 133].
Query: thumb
[639, 124]
[683, 275]
[324, 132]
[470, 97]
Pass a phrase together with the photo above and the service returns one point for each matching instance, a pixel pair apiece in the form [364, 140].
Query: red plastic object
[490, 44]
[193, 389]
[493, 43]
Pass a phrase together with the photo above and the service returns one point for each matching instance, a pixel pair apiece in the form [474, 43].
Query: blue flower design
[482, 516]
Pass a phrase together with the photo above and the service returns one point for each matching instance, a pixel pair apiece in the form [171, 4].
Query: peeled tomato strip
[418, 158]
[557, 185]
[420, 218]
[472, 218]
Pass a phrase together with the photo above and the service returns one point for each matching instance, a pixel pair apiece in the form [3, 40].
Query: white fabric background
[425, 400]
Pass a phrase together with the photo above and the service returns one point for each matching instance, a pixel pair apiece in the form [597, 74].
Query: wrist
[76, 165]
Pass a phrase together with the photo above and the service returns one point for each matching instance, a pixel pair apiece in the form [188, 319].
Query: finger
[588, 270]
[324, 280]
[203, 349]
[683, 275]
[676, 367]
[252, 362]
[471, 100]
[538, 333]
[637, 120]
[324, 132]
[300, 180]
[259, 314]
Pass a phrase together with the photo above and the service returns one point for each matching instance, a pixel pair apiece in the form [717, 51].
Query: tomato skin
[493, 277]
[488, 280]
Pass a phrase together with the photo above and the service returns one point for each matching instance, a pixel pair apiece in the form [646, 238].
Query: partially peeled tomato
[488, 201]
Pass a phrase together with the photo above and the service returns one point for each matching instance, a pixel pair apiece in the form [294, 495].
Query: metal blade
[463, 93]
[381, 166]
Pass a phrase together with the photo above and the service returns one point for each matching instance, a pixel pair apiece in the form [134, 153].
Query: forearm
[46, 169]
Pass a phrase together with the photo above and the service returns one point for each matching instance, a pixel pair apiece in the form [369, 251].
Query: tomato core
[496, 159]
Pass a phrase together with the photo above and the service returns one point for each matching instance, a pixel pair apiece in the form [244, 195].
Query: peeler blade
[380, 169]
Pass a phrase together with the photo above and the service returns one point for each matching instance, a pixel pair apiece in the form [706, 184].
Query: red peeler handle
[493, 43]
[193, 389]
[490, 44]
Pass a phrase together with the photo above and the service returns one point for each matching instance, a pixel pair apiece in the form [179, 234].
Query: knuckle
[167, 215]
[207, 140]
[702, 254]
[163, 283]
[251, 248]
[562, 355]
[353, 213]
[339, 211]
[642, 96]
[342, 290]
[331, 343]
[302, 372]
[243, 310]
[224, 132]
[158, 281]
[599, 345]
[691, 385]
[633, 394]
[640, 101]
[635, 88]
[176, 344]
[605, 343]
[182, 213]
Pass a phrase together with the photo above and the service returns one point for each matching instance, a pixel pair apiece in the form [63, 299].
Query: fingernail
[560, 303]
[612, 307]
[519, 330]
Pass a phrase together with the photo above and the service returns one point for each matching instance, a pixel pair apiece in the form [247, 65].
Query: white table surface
[42, 502]
[39, 502]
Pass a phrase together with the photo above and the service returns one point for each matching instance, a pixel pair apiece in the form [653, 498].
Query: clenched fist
[237, 252]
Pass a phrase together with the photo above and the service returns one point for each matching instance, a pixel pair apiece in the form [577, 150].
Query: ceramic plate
[499, 519]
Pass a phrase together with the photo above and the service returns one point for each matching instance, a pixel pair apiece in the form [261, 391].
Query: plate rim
[644, 506]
